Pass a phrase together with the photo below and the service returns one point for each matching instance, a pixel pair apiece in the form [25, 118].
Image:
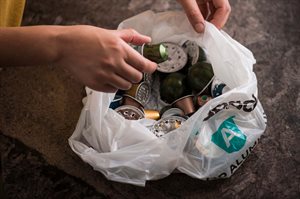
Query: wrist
[57, 41]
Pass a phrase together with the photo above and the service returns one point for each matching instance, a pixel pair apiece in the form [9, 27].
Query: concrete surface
[39, 108]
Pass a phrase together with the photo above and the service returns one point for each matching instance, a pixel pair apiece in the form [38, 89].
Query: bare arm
[99, 58]
[23, 46]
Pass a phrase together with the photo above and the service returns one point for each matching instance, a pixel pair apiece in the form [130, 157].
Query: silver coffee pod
[130, 112]
[166, 125]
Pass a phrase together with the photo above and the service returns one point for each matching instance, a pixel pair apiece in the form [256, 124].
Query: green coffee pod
[172, 87]
[155, 52]
[200, 76]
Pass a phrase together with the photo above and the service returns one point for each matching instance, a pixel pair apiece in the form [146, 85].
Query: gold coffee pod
[140, 92]
[152, 114]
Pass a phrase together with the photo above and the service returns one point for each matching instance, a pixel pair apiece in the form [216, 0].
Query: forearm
[32, 45]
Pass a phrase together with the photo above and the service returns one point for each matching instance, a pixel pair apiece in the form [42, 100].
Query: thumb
[133, 37]
[193, 13]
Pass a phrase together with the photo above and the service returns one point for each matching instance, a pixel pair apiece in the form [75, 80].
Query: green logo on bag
[229, 137]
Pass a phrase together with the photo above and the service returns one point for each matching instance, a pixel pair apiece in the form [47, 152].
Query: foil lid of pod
[177, 59]
[148, 78]
[140, 92]
[194, 51]
[130, 112]
[166, 125]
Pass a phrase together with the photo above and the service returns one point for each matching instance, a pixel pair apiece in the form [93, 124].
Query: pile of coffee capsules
[186, 83]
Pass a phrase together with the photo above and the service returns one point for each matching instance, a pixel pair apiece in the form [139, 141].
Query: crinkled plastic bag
[211, 144]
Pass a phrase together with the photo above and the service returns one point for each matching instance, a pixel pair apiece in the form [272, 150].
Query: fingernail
[199, 27]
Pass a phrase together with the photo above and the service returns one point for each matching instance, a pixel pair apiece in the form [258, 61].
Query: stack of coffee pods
[186, 81]
[174, 86]
[133, 101]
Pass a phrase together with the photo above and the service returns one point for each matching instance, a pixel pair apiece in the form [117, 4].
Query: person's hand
[215, 11]
[101, 59]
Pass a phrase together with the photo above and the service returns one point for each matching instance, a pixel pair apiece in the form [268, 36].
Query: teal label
[229, 137]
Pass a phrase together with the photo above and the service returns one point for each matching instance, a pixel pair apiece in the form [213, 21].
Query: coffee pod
[166, 125]
[186, 104]
[116, 102]
[177, 59]
[200, 77]
[195, 53]
[148, 78]
[130, 112]
[172, 87]
[152, 114]
[155, 52]
[128, 100]
[140, 92]
[203, 99]
[168, 111]
[218, 88]
[164, 109]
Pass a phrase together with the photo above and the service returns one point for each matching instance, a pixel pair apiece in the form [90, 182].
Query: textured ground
[39, 108]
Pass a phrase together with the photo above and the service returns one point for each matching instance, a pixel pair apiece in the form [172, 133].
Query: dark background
[40, 106]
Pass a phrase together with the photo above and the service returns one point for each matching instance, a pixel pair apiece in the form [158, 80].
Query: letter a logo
[229, 137]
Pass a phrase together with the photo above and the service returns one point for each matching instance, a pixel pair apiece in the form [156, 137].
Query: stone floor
[40, 106]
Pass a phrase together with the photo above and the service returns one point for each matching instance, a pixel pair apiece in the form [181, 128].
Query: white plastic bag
[210, 144]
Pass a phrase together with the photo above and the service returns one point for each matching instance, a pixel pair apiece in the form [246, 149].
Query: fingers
[194, 15]
[133, 37]
[220, 12]
[108, 89]
[134, 59]
[120, 82]
[98, 85]
[129, 73]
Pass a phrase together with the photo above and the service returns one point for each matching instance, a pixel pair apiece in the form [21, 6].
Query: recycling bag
[210, 144]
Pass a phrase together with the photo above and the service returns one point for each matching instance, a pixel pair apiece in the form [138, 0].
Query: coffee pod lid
[177, 59]
[166, 125]
[140, 92]
[143, 93]
[130, 112]
[148, 78]
[218, 88]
